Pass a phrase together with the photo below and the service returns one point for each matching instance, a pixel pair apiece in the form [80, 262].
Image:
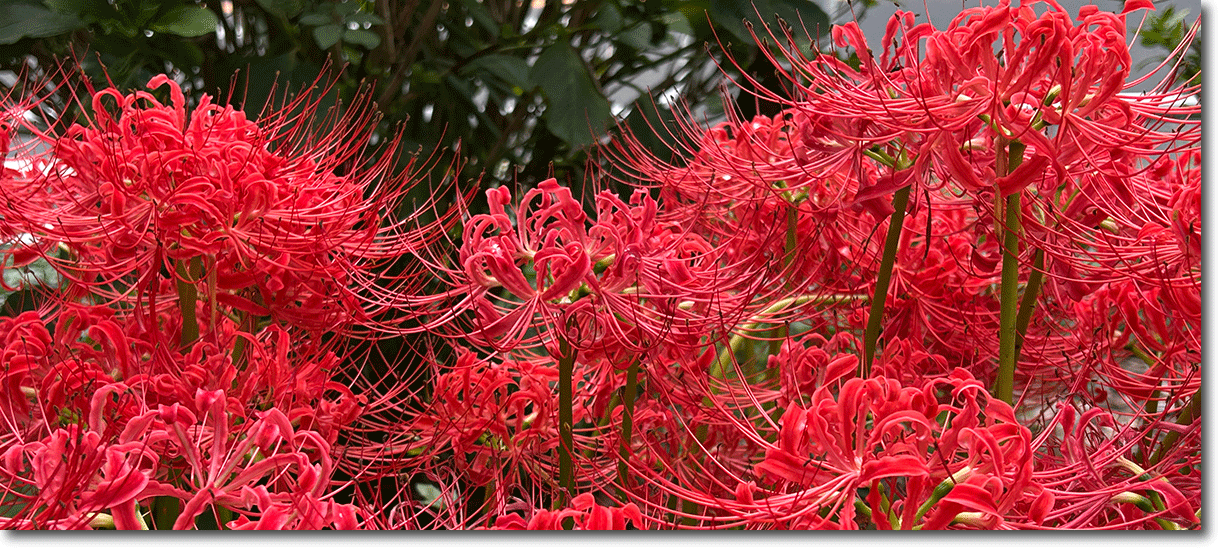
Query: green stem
[1008, 302]
[212, 279]
[1147, 506]
[888, 508]
[628, 412]
[690, 509]
[1029, 298]
[238, 355]
[567, 363]
[863, 509]
[1009, 275]
[1154, 497]
[1153, 402]
[140, 516]
[941, 490]
[489, 493]
[877, 308]
[165, 512]
[187, 295]
[1186, 416]
[224, 516]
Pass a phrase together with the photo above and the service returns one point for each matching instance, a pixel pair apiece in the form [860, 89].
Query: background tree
[524, 87]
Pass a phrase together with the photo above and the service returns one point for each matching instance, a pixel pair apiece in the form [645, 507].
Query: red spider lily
[625, 276]
[74, 479]
[705, 341]
[227, 459]
[493, 417]
[1096, 486]
[100, 381]
[942, 99]
[261, 463]
[145, 185]
[493, 423]
[980, 440]
[585, 514]
[925, 456]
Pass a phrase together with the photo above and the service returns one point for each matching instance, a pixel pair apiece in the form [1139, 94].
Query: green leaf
[346, 8]
[479, 13]
[676, 21]
[19, 21]
[38, 273]
[317, 19]
[430, 495]
[654, 125]
[284, 8]
[799, 13]
[576, 111]
[609, 19]
[511, 70]
[327, 35]
[362, 18]
[729, 14]
[368, 39]
[183, 53]
[639, 36]
[72, 7]
[187, 21]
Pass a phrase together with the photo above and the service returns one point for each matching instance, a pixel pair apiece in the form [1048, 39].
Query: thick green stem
[187, 295]
[139, 517]
[862, 508]
[567, 363]
[690, 509]
[165, 512]
[628, 412]
[877, 308]
[212, 279]
[1152, 404]
[1009, 275]
[1008, 301]
[1157, 504]
[489, 499]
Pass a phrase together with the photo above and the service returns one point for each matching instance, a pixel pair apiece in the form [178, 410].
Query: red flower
[584, 513]
[277, 228]
[875, 432]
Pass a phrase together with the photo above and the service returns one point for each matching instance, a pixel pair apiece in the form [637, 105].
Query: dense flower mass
[956, 284]
[145, 187]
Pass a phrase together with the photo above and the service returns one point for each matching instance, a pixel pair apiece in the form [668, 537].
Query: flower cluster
[185, 370]
[954, 285]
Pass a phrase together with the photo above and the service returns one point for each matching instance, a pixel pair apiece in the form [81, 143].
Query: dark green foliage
[1165, 30]
[525, 90]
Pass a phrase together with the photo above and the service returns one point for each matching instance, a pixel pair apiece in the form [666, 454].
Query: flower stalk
[877, 309]
[1009, 274]
[165, 512]
[1187, 416]
[567, 363]
[629, 391]
[1029, 297]
[188, 273]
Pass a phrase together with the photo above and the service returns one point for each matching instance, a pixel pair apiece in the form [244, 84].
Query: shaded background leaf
[188, 21]
[577, 112]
